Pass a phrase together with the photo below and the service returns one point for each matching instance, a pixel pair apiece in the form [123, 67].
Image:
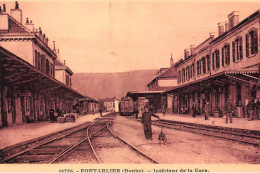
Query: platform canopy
[18, 73]
[222, 79]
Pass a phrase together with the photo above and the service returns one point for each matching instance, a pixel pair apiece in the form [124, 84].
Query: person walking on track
[229, 110]
[146, 121]
[207, 110]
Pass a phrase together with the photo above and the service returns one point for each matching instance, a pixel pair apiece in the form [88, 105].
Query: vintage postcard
[129, 86]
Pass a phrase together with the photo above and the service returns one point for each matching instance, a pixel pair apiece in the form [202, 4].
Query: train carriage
[127, 107]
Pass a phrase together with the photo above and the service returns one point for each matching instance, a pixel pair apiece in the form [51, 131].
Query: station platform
[238, 123]
[23, 132]
[20, 133]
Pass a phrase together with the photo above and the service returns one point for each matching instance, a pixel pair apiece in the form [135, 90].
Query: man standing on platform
[194, 110]
[147, 122]
[252, 106]
[207, 110]
[245, 112]
[229, 110]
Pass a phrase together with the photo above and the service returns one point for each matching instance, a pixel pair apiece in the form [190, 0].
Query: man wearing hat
[147, 122]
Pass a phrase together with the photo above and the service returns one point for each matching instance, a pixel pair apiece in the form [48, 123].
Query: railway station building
[28, 88]
[165, 79]
[222, 67]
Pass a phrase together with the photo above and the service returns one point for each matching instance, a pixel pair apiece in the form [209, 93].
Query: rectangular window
[191, 72]
[188, 72]
[237, 50]
[198, 68]
[203, 65]
[43, 63]
[252, 43]
[67, 80]
[36, 58]
[183, 75]
[179, 76]
[208, 63]
[226, 55]
[217, 59]
[47, 67]
[39, 61]
[213, 61]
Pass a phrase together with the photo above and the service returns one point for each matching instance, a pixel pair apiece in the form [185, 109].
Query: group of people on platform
[251, 110]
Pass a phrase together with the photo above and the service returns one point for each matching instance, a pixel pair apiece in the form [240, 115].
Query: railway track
[32, 147]
[244, 136]
[240, 135]
[74, 145]
[100, 139]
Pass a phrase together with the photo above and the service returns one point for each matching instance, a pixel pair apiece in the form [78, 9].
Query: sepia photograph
[129, 86]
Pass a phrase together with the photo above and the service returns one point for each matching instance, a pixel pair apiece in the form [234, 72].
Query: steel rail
[91, 146]
[131, 146]
[67, 133]
[64, 152]
[67, 150]
[214, 132]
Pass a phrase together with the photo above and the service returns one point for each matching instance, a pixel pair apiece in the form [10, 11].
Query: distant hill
[101, 85]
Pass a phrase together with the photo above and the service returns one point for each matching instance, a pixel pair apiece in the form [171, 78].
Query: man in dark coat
[194, 110]
[147, 122]
[207, 110]
[252, 107]
[229, 110]
[51, 114]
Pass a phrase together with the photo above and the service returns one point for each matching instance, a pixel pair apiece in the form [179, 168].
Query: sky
[124, 35]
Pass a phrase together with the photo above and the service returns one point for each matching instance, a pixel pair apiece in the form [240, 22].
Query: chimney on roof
[29, 25]
[171, 61]
[46, 41]
[4, 8]
[4, 22]
[64, 62]
[211, 34]
[16, 5]
[226, 26]
[40, 31]
[192, 49]
[17, 13]
[233, 19]
[54, 46]
[58, 54]
[186, 53]
[220, 28]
